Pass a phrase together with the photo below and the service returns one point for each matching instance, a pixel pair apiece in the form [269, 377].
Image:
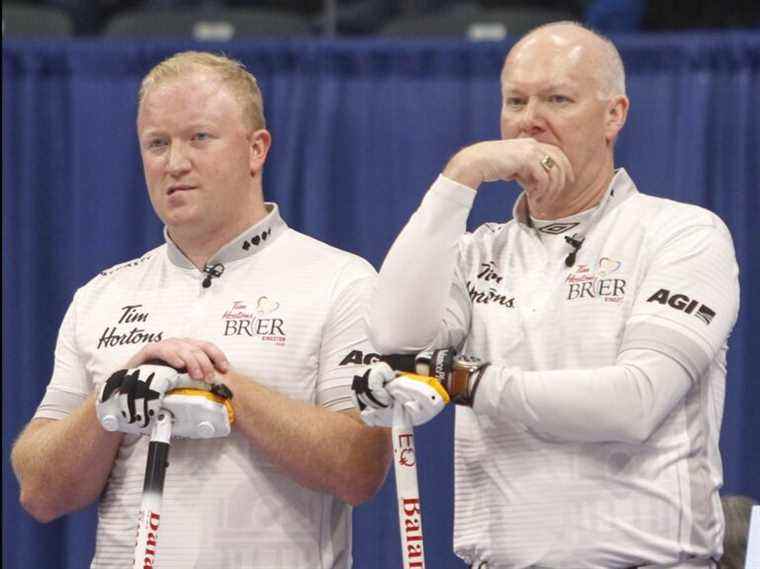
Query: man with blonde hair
[587, 427]
[232, 73]
[236, 297]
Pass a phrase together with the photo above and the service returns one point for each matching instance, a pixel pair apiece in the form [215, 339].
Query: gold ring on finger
[547, 163]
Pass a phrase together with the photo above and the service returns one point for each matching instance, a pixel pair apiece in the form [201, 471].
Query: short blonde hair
[233, 73]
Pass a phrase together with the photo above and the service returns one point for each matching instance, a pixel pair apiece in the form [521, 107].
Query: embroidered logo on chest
[602, 282]
[259, 322]
[130, 328]
[485, 288]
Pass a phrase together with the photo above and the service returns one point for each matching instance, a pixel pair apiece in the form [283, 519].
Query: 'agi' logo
[683, 303]
[358, 357]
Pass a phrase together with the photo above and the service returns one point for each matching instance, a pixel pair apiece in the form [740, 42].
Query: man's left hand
[379, 388]
[130, 399]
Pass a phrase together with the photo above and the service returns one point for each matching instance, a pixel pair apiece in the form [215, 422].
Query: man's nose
[531, 118]
[178, 162]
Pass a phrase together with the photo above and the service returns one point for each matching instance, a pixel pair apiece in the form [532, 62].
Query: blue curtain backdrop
[360, 130]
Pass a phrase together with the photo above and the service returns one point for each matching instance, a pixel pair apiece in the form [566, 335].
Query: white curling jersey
[286, 311]
[652, 278]
[523, 499]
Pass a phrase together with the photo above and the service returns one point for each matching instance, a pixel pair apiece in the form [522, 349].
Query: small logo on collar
[257, 239]
[557, 228]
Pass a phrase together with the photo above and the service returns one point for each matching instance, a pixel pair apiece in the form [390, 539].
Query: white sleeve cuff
[450, 190]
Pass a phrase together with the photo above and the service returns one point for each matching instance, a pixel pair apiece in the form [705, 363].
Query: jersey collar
[620, 189]
[251, 241]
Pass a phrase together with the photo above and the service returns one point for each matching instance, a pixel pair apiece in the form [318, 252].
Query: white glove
[200, 413]
[380, 388]
[131, 398]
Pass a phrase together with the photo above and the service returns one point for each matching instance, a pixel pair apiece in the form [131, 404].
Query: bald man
[587, 430]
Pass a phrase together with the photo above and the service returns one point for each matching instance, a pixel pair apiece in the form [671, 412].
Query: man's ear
[260, 141]
[617, 113]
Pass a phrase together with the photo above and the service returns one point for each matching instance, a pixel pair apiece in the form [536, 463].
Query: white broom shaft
[153, 490]
[407, 490]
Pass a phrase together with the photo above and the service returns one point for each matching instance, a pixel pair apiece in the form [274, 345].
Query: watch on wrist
[466, 372]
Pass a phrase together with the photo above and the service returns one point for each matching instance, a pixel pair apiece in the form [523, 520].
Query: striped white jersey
[287, 312]
[593, 442]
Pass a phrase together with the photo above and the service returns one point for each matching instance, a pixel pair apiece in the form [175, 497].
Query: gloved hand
[379, 388]
[200, 413]
[131, 398]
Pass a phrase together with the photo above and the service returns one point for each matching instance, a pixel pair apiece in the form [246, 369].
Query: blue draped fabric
[360, 130]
